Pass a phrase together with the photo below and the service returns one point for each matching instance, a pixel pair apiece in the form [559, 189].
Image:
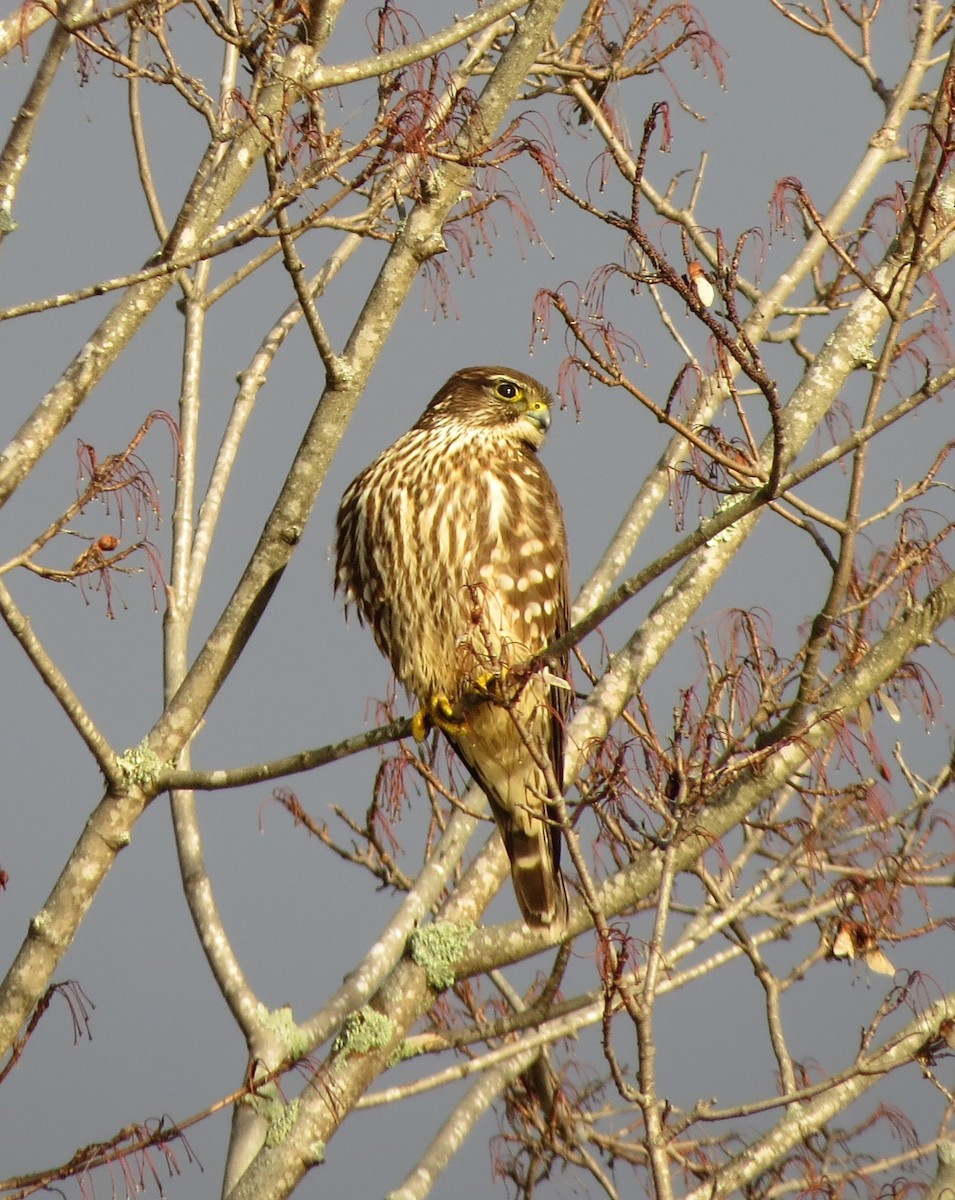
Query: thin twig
[105, 756]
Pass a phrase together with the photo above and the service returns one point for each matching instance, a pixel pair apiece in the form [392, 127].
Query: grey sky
[161, 1039]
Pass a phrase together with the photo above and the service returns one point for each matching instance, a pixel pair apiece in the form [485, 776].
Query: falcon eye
[508, 390]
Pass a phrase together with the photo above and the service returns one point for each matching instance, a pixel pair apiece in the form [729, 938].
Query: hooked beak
[540, 417]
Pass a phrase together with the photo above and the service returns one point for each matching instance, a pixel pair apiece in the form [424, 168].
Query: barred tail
[538, 883]
[516, 788]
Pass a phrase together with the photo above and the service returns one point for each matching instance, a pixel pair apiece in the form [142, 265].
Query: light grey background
[162, 1042]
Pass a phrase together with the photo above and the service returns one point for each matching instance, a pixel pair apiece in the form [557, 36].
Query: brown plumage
[452, 547]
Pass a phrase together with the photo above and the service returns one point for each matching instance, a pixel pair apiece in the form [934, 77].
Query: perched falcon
[452, 547]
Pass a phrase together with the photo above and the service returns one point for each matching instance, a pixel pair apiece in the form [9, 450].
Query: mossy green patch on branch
[362, 1031]
[269, 1105]
[437, 947]
[281, 1022]
[140, 766]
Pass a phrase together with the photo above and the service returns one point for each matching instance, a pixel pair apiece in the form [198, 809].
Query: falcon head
[492, 397]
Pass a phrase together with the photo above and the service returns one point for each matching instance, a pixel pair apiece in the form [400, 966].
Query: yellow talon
[487, 683]
[444, 715]
[438, 713]
[495, 687]
[420, 724]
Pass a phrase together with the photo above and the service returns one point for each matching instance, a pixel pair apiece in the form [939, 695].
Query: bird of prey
[452, 547]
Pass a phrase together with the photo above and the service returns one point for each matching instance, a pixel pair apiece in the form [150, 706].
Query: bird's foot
[496, 687]
[488, 684]
[438, 713]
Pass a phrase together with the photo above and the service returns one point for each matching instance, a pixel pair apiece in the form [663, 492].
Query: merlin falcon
[452, 547]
